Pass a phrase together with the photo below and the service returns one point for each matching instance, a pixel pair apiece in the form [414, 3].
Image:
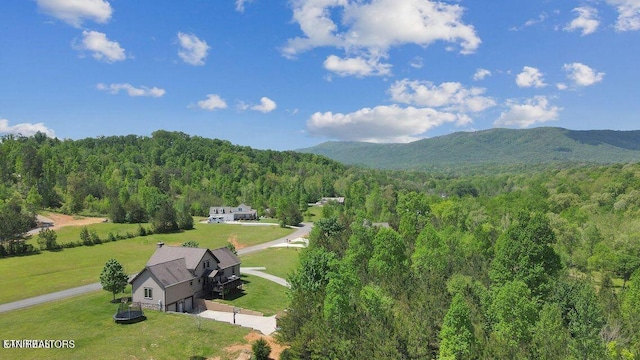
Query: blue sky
[292, 74]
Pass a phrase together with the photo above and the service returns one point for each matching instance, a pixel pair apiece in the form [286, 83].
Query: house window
[191, 283]
[148, 293]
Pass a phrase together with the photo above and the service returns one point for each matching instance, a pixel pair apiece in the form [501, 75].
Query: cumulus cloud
[451, 96]
[533, 111]
[74, 12]
[370, 29]
[193, 50]
[212, 102]
[628, 14]
[266, 105]
[530, 77]
[357, 66]
[101, 47]
[587, 20]
[25, 129]
[240, 5]
[380, 124]
[480, 74]
[131, 90]
[582, 75]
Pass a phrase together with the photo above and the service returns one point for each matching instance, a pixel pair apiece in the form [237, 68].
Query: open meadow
[26, 276]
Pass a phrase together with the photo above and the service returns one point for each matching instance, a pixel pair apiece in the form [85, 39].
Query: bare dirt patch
[62, 220]
[233, 239]
[243, 352]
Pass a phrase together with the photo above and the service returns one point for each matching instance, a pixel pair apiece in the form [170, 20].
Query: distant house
[326, 200]
[174, 276]
[227, 213]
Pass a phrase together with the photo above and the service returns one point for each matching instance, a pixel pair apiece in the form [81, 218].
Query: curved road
[301, 231]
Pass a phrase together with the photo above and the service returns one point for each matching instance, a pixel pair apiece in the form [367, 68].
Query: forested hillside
[165, 179]
[499, 147]
[542, 265]
[537, 263]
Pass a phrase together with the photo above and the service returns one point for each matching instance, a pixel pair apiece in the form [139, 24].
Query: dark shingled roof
[171, 272]
[192, 256]
[226, 257]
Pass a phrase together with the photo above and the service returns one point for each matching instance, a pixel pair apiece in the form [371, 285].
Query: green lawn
[313, 213]
[260, 295]
[27, 276]
[88, 321]
[277, 261]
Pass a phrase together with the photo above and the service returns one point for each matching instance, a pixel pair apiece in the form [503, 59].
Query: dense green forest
[164, 179]
[528, 262]
[539, 265]
[465, 152]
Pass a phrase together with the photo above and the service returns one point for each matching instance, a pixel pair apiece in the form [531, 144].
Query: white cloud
[74, 12]
[416, 62]
[369, 29]
[480, 74]
[266, 105]
[25, 129]
[240, 5]
[380, 124]
[541, 18]
[101, 47]
[533, 111]
[451, 96]
[628, 14]
[530, 77]
[357, 66]
[131, 90]
[193, 50]
[582, 75]
[587, 20]
[212, 102]
[561, 86]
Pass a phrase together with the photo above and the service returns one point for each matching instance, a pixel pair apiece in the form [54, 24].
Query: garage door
[188, 304]
[171, 307]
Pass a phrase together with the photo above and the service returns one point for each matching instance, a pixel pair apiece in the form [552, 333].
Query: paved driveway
[264, 324]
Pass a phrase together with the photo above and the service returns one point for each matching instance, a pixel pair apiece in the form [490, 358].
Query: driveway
[264, 324]
[300, 232]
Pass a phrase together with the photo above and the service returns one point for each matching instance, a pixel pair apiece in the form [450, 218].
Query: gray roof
[226, 257]
[192, 256]
[171, 272]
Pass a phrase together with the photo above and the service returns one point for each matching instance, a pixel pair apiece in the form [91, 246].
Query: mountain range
[490, 148]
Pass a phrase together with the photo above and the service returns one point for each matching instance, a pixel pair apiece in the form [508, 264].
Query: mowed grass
[27, 276]
[87, 320]
[277, 261]
[260, 295]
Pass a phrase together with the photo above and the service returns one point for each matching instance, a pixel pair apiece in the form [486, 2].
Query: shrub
[261, 349]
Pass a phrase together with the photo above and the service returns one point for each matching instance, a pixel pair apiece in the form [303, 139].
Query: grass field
[27, 276]
[277, 261]
[260, 295]
[88, 321]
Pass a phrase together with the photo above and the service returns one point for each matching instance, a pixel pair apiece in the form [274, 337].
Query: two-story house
[174, 276]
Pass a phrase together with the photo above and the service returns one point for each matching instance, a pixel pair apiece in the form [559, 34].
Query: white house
[219, 214]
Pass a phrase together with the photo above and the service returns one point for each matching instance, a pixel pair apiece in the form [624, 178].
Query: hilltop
[494, 147]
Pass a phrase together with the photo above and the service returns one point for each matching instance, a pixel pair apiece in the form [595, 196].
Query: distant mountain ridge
[543, 145]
